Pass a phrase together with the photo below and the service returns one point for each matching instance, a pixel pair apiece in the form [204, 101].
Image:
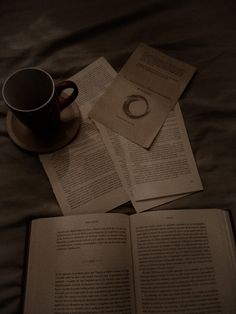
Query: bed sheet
[63, 37]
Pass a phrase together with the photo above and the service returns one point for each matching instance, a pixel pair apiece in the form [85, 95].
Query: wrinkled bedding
[63, 37]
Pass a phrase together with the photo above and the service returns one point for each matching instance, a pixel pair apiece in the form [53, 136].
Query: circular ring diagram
[132, 99]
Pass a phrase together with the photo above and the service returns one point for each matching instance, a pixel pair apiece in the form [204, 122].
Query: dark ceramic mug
[35, 99]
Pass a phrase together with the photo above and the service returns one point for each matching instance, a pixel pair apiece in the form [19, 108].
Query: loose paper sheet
[116, 147]
[168, 167]
[82, 174]
[140, 98]
[171, 171]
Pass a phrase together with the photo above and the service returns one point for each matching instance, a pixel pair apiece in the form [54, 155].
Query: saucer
[30, 141]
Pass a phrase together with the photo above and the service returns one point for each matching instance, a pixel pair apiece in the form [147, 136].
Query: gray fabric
[64, 37]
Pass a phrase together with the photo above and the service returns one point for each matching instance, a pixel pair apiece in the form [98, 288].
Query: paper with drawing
[140, 98]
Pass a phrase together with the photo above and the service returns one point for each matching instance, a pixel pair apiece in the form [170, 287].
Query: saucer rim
[64, 138]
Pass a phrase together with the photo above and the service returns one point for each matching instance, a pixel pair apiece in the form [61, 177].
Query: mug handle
[60, 87]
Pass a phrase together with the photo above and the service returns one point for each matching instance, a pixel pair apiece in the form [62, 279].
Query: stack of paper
[102, 169]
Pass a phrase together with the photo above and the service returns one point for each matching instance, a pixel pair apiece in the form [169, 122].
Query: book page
[80, 264]
[184, 262]
[116, 145]
[141, 96]
[168, 167]
[82, 174]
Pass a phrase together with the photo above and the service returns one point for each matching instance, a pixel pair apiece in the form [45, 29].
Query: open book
[175, 261]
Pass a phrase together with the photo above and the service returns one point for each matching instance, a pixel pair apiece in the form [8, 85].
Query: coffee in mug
[35, 99]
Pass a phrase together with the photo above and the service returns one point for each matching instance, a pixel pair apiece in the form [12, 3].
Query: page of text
[184, 262]
[82, 174]
[116, 145]
[80, 264]
[168, 167]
